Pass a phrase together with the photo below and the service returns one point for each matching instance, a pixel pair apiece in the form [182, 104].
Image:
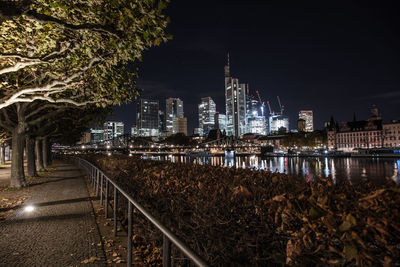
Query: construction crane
[269, 107]
[280, 105]
[261, 103]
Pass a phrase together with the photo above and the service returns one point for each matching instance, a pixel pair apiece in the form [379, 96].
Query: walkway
[60, 230]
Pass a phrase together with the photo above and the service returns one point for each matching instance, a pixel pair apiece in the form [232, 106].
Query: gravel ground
[59, 231]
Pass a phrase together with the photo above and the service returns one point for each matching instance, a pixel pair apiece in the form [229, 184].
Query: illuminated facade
[179, 126]
[174, 109]
[147, 123]
[278, 123]
[308, 116]
[220, 122]
[235, 103]
[112, 129]
[207, 111]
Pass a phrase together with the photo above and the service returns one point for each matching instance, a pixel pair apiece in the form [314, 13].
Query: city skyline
[313, 59]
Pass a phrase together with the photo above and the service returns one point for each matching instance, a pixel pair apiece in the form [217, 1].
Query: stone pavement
[55, 227]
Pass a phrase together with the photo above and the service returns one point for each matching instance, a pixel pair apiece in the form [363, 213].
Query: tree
[72, 53]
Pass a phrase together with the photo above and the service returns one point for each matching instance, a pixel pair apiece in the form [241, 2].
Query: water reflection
[336, 168]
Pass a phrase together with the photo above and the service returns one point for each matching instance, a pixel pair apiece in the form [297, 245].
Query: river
[354, 169]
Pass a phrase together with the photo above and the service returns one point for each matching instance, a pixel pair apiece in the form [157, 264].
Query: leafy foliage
[75, 52]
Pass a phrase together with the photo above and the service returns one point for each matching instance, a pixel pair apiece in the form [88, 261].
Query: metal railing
[99, 180]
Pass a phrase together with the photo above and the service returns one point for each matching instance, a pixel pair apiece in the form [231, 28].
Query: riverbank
[242, 217]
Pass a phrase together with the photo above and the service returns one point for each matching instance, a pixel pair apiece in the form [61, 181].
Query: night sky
[335, 61]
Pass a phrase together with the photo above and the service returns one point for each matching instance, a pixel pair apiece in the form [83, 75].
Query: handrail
[94, 174]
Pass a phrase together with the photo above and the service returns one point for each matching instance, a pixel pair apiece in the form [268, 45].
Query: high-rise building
[207, 111]
[235, 102]
[147, 118]
[174, 109]
[96, 134]
[278, 123]
[113, 129]
[180, 126]
[220, 121]
[307, 115]
[161, 122]
[301, 125]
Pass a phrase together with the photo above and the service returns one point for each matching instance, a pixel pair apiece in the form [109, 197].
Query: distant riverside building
[220, 122]
[278, 123]
[173, 109]
[235, 102]
[301, 125]
[207, 111]
[147, 123]
[391, 132]
[308, 116]
[357, 134]
[180, 126]
[112, 129]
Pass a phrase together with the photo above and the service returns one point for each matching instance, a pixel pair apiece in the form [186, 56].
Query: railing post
[97, 183]
[130, 233]
[106, 205]
[101, 190]
[166, 251]
[115, 210]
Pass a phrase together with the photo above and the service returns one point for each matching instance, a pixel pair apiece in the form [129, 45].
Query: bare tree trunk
[2, 154]
[45, 141]
[17, 160]
[30, 155]
[49, 156]
[39, 154]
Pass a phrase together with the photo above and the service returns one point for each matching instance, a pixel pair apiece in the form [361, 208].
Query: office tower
[147, 118]
[96, 134]
[235, 102]
[207, 110]
[307, 115]
[301, 125]
[220, 121]
[161, 122]
[174, 109]
[180, 126]
[278, 123]
[113, 129]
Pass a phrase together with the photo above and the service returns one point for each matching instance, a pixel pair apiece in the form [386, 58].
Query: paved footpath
[59, 231]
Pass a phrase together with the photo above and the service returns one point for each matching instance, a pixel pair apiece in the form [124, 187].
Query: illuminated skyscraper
[220, 121]
[174, 109]
[207, 110]
[179, 126]
[113, 129]
[307, 115]
[147, 118]
[235, 102]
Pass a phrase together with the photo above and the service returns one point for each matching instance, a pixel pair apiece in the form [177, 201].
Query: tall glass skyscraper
[147, 118]
[235, 102]
[207, 111]
[173, 109]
